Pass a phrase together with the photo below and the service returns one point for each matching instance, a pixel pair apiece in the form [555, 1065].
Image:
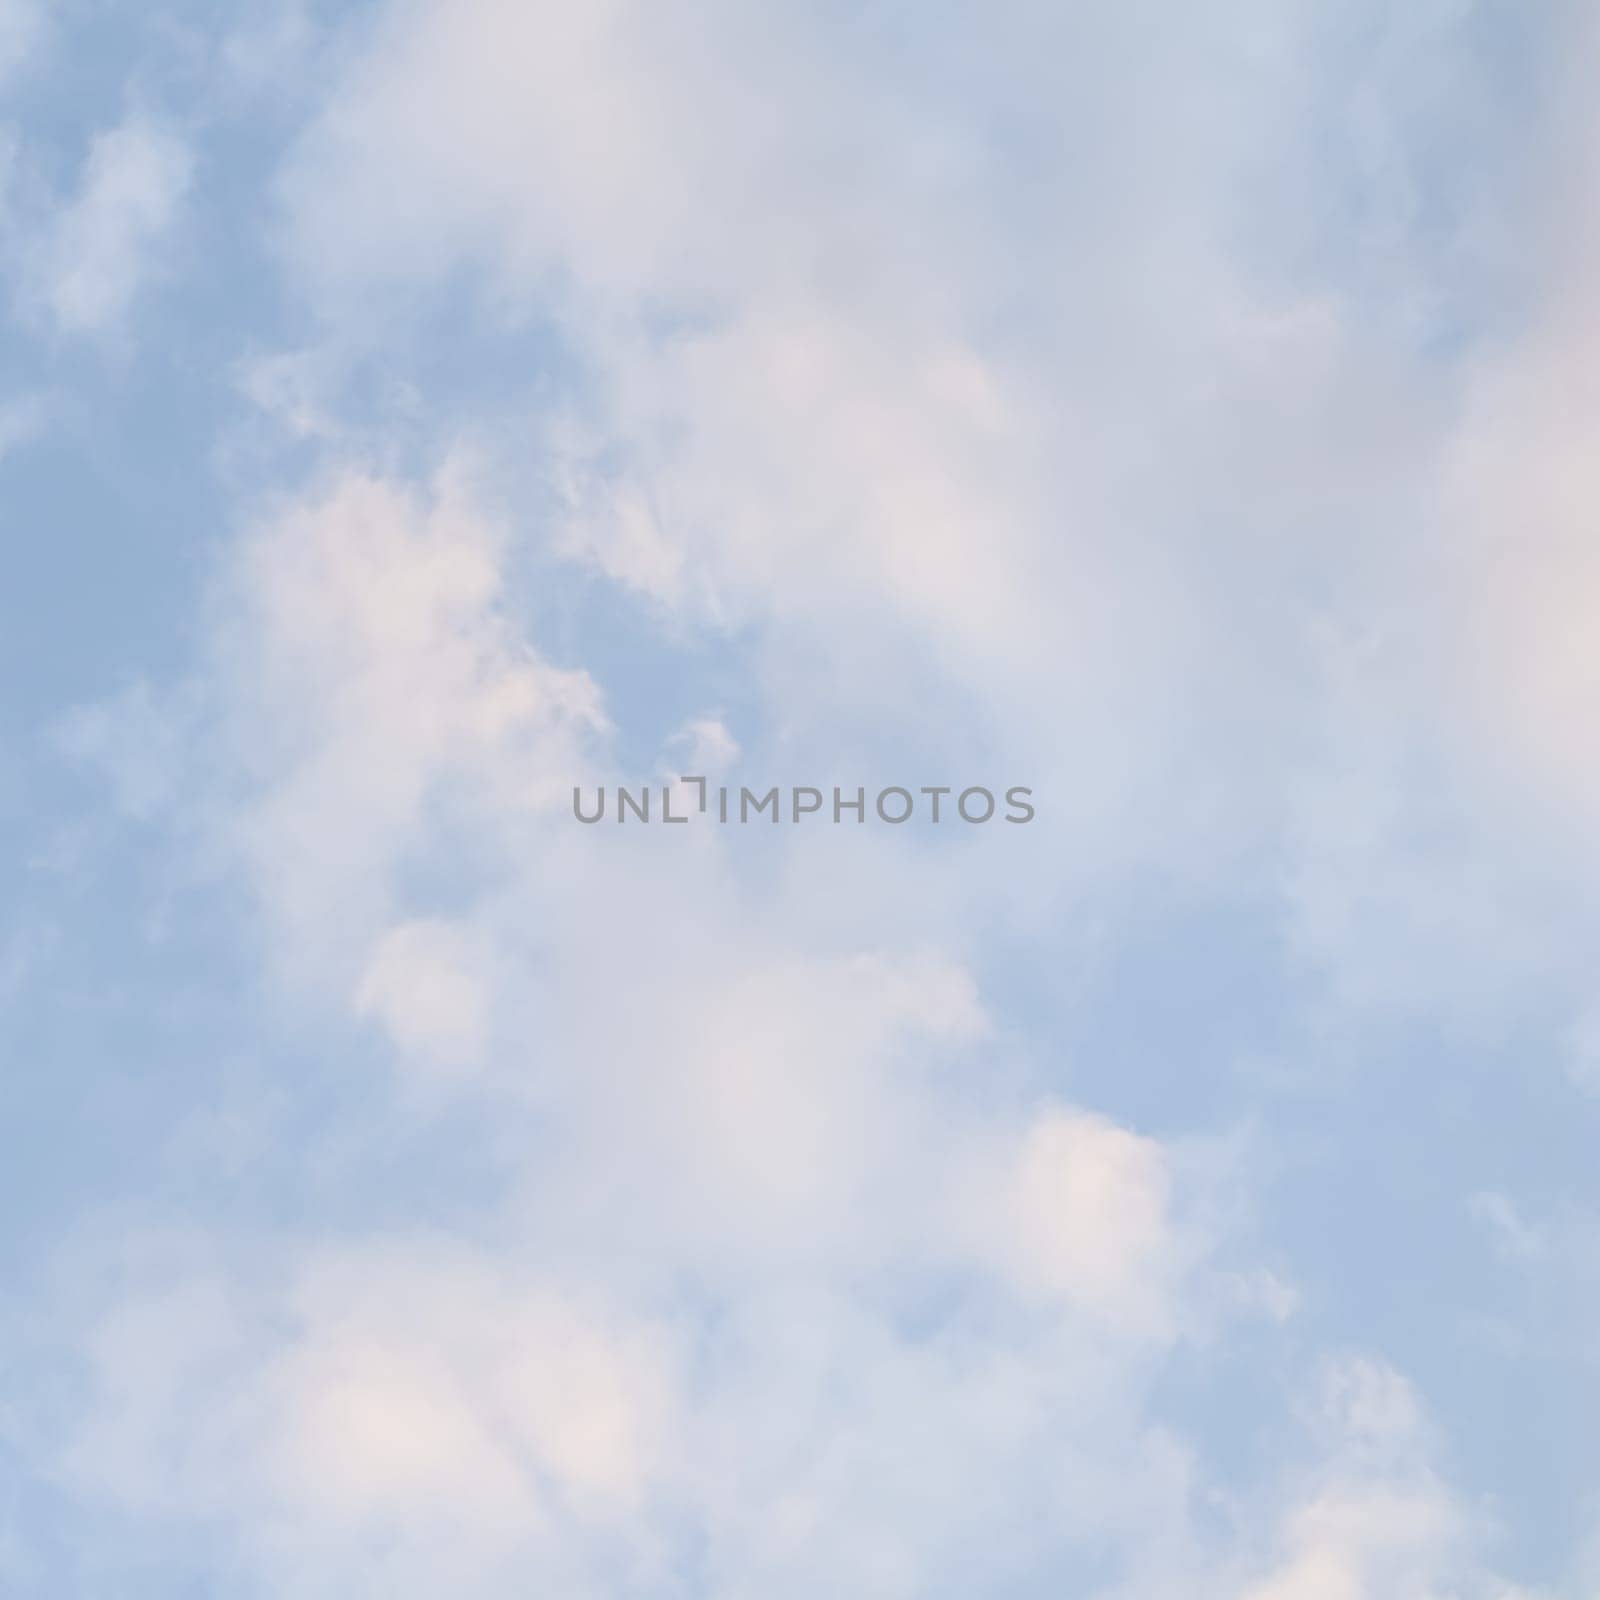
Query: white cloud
[797, 1265]
[822, 433]
[1374, 1519]
[427, 1415]
[703, 747]
[1082, 1209]
[795, 266]
[290, 387]
[91, 258]
[427, 1383]
[424, 984]
[373, 693]
[1446, 835]
[738, 1115]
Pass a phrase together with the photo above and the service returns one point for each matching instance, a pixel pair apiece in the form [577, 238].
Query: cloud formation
[1120, 403]
[103, 242]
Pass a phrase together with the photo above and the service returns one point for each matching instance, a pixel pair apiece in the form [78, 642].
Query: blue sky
[411, 411]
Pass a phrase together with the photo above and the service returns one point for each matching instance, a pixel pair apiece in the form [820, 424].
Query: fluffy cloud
[793, 265]
[423, 986]
[423, 1413]
[377, 701]
[1445, 828]
[797, 1269]
[792, 1263]
[1374, 1520]
[1082, 1210]
[809, 411]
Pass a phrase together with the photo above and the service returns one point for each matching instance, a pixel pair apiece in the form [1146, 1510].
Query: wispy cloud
[88, 260]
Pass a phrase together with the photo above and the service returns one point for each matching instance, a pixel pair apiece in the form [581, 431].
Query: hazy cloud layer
[424, 410]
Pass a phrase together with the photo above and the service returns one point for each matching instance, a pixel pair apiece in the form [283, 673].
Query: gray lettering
[746, 798]
[911, 804]
[961, 805]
